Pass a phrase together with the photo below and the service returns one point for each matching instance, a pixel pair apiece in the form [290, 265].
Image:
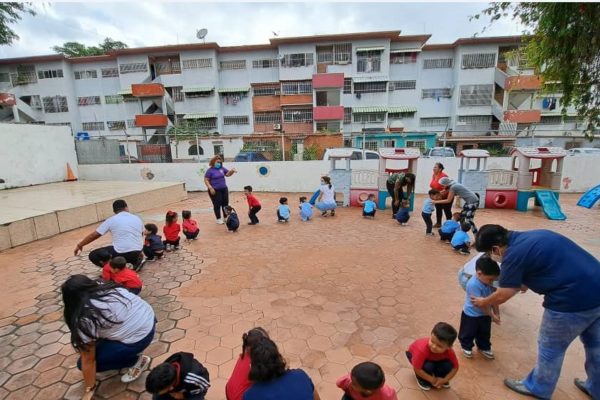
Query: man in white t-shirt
[127, 232]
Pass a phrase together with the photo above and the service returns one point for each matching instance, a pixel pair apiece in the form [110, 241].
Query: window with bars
[116, 125]
[550, 120]
[340, 53]
[297, 60]
[133, 68]
[88, 74]
[419, 144]
[403, 85]
[197, 63]
[200, 123]
[265, 63]
[371, 145]
[167, 66]
[296, 87]
[88, 101]
[368, 61]
[92, 126]
[347, 85]
[130, 99]
[298, 115]
[177, 93]
[434, 122]
[329, 126]
[478, 120]
[50, 73]
[233, 64]
[436, 63]
[369, 117]
[389, 143]
[35, 102]
[476, 95]
[267, 90]
[401, 115]
[59, 124]
[4, 77]
[347, 142]
[112, 72]
[438, 93]
[236, 120]
[370, 87]
[267, 117]
[403, 58]
[348, 115]
[131, 123]
[478, 60]
[55, 104]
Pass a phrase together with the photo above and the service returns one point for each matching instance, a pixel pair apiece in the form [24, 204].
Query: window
[113, 99]
[348, 115]
[197, 63]
[370, 87]
[401, 115]
[347, 85]
[59, 124]
[476, 95]
[403, 85]
[440, 93]
[298, 115]
[296, 87]
[131, 123]
[234, 64]
[177, 94]
[435, 63]
[219, 149]
[342, 53]
[109, 72]
[419, 144]
[267, 117]
[25, 74]
[92, 126]
[329, 126]
[133, 68]
[550, 120]
[268, 90]
[479, 120]
[200, 123]
[297, 60]
[88, 101]
[4, 77]
[435, 122]
[50, 73]
[89, 74]
[371, 145]
[33, 101]
[403, 58]
[236, 120]
[116, 125]
[55, 104]
[195, 150]
[369, 61]
[265, 63]
[478, 60]
[369, 117]
[389, 143]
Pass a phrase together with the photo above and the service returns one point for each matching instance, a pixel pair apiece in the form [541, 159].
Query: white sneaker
[220, 221]
[135, 372]
[489, 354]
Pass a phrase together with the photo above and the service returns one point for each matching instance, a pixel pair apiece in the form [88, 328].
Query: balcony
[523, 116]
[512, 80]
[328, 113]
[324, 81]
[296, 99]
[151, 121]
[147, 90]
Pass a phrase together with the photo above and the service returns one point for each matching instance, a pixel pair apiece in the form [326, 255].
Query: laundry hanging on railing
[233, 98]
[549, 103]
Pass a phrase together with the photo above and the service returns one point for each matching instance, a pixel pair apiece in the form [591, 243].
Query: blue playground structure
[590, 197]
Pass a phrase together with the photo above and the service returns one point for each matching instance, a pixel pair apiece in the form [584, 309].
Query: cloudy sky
[158, 23]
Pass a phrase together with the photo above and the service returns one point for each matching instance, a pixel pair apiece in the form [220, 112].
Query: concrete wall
[35, 154]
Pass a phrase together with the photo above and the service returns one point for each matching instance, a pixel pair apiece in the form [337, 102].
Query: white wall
[35, 154]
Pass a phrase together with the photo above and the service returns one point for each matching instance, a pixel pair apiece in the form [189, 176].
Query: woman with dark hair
[446, 208]
[326, 201]
[238, 382]
[214, 179]
[395, 184]
[272, 378]
[110, 327]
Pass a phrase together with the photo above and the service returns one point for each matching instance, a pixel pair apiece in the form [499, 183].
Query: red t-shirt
[189, 225]
[435, 181]
[172, 231]
[126, 277]
[421, 353]
[384, 393]
[238, 383]
[252, 201]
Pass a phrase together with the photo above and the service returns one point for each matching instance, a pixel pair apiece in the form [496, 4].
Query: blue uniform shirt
[306, 210]
[450, 226]
[478, 289]
[369, 206]
[428, 207]
[284, 211]
[459, 238]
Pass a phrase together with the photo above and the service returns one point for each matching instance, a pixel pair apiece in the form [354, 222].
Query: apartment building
[384, 88]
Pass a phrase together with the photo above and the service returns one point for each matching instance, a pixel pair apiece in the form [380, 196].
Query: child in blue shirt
[475, 322]
[449, 227]
[369, 207]
[461, 240]
[402, 216]
[283, 211]
[305, 209]
[428, 209]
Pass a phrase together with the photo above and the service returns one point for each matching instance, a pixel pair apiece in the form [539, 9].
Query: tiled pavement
[332, 292]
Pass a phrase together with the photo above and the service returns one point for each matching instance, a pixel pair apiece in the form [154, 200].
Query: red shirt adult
[126, 277]
[238, 382]
[420, 353]
[252, 200]
[383, 393]
[435, 181]
[172, 232]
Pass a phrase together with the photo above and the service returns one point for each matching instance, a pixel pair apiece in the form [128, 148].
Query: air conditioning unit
[277, 127]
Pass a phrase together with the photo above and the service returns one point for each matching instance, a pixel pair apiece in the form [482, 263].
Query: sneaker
[423, 384]
[581, 386]
[437, 226]
[220, 221]
[489, 354]
[446, 386]
[135, 372]
[332, 213]
[464, 252]
[429, 234]
[175, 247]
[324, 214]
[251, 223]
[467, 353]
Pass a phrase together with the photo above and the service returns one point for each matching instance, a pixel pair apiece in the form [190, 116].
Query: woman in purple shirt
[214, 179]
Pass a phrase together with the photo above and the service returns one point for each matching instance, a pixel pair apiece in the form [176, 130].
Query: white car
[440, 152]
[357, 154]
[583, 151]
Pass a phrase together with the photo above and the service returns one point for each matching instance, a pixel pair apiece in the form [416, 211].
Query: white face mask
[495, 254]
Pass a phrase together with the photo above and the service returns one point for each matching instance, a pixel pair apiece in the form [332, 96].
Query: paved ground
[332, 292]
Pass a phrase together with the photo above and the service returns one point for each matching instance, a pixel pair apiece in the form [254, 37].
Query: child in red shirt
[433, 359]
[116, 270]
[253, 205]
[238, 382]
[171, 231]
[190, 226]
[366, 381]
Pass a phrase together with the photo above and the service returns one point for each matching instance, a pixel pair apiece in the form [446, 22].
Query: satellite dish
[201, 33]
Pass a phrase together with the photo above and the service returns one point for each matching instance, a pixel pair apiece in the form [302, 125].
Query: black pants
[347, 397]
[135, 290]
[190, 235]
[280, 218]
[252, 214]
[428, 222]
[445, 236]
[446, 209]
[150, 253]
[478, 329]
[172, 242]
[220, 200]
[132, 257]
[462, 247]
[390, 188]
[169, 397]
[369, 214]
[438, 369]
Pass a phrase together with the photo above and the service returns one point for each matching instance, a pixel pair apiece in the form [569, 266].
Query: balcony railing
[372, 64]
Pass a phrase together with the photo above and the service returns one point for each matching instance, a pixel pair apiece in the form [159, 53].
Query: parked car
[440, 152]
[357, 154]
[584, 151]
[126, 160]
[250, 156]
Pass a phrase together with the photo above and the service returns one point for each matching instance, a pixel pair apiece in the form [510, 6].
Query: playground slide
[550, 205]
[590, 197]
[314, 197]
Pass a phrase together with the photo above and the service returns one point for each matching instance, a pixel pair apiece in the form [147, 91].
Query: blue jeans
[326, 205]
[557, 331]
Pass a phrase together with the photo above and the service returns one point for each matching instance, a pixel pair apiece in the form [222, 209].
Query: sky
[152, 23]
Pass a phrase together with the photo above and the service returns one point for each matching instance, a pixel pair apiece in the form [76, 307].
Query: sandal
[135, 372]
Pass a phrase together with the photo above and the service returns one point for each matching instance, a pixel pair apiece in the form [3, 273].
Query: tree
[9, 14]
[76, 49]
[562, 43]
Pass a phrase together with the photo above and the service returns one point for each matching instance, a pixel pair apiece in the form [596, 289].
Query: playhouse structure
[341, 178]
[409, 155]
[473, 172]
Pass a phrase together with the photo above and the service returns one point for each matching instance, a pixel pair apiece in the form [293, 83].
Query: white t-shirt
[327, 194]
[127, 231]
[136, 318]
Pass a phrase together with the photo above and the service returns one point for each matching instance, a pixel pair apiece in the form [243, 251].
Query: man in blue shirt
[569, 278]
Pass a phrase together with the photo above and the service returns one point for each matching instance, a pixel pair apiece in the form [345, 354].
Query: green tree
[76, 49]
[9, 14]
[562, 42]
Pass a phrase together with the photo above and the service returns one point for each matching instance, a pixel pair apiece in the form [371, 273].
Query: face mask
[495, 255]
[322, 182]
[218, 165]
